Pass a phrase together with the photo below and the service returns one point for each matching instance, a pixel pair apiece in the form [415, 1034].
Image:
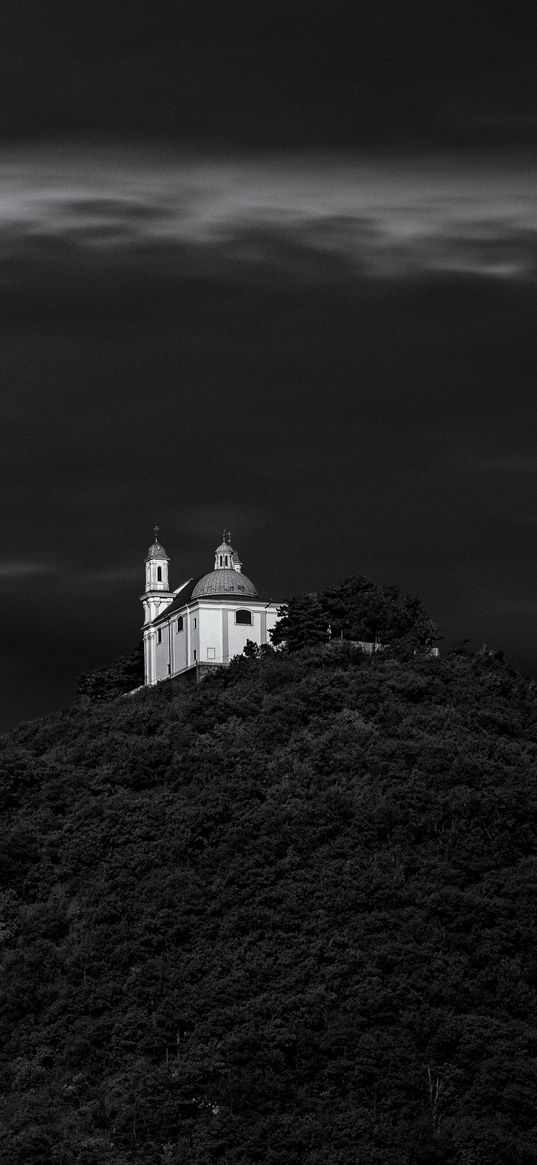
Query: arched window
[159, 635]
[159, 574]
[180, 623]
[244, 617]
[226, 560]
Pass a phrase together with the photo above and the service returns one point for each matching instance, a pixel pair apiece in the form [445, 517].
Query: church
[204, 622]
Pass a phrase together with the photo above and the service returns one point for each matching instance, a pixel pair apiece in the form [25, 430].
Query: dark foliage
[123, 676]
[356, 610]
[302, 622]
[286, 917]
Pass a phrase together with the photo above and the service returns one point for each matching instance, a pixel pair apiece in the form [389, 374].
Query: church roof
[184, 595]
[224, 581]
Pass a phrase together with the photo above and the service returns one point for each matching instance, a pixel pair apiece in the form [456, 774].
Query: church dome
[224, 581]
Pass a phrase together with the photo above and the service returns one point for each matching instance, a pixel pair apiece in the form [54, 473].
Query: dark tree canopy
[302, 622]
[126, 674]
[285, 917]
[357, 610]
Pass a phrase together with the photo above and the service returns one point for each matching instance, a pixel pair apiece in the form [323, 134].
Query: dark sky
[270, 266]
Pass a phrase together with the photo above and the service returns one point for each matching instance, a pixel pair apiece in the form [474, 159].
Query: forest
[286, 916]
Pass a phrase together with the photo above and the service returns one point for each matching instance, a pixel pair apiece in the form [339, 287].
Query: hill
[286, 917]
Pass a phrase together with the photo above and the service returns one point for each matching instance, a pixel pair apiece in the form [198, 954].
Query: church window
[195, 654]
[159, 574]
[244, 617]
[195, 623]
[180, 623]
[159, 635]
[226, 560]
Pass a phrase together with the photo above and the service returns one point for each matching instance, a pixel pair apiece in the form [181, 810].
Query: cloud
[323, 217]
[13, 570]
[115, 209]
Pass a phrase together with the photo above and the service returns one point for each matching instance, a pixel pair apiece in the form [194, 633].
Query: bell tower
[157, 595]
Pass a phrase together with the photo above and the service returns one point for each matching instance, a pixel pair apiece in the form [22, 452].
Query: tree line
[285, 917]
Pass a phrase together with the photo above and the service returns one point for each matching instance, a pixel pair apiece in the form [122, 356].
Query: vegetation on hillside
[125, 675]
[355, 610]
[285, 917]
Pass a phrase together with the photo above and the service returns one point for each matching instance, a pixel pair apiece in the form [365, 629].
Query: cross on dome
[226, 541]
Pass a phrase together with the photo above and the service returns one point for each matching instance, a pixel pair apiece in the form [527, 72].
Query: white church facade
[204, 622]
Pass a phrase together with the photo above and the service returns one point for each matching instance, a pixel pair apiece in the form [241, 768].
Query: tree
[284, 916]
[303, 622]
[362, 610]
[356, 610]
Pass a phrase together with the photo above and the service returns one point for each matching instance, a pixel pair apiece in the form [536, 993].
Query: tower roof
[225, 545]
[156, 550]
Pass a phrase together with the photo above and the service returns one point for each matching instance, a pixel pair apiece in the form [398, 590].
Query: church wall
[272, 619]
[210, 637]
[193, 636]
[162, 655]
[149, 641]
[238, 634]
[179, 643]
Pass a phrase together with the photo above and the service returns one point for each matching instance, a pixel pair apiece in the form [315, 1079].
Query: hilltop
[285, 917]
